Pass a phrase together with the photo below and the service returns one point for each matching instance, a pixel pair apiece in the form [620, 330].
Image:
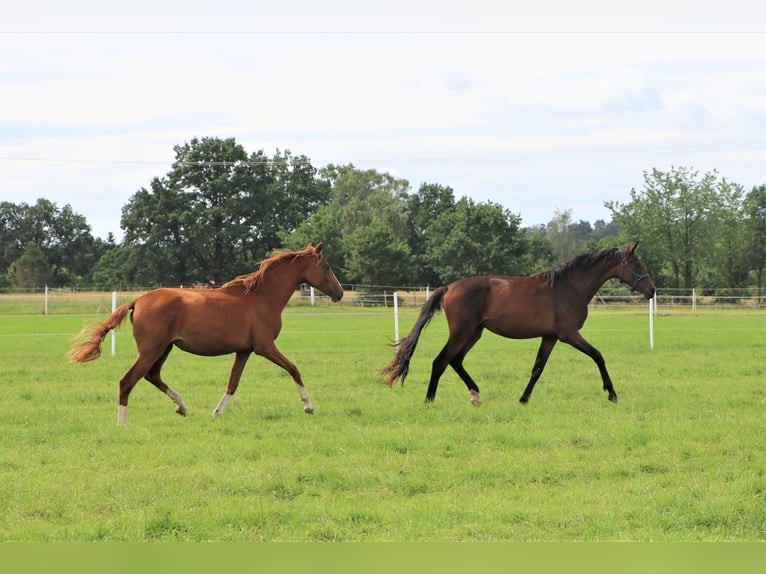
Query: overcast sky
[559, 106]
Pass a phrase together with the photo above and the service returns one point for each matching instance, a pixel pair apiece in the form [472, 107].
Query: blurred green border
[389, 558]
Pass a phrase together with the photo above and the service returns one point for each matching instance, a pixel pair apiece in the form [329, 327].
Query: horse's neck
[279, 284]
[590, 280]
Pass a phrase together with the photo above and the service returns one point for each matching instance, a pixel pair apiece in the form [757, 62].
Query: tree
[560, 233]
[11, 241]
[156, 225]
[72, 249]
[423, 208]
[378, 257]
[62, 239]
[358, 199]
[31, 269]
[109, 270]
[754, 207]
[476, 239]
[671, 217]
[730, 238]
[539, 250]
[218, 211]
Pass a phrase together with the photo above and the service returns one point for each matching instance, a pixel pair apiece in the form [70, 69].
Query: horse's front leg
[579, 343]
[273, 355]
[236, 374]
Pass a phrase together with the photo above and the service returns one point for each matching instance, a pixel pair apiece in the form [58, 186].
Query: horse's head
[319, 274]
[634, 274]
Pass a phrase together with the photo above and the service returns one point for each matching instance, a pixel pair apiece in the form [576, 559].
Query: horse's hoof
[308, 410]
[613, 399]
[524, 400]
[475, 398]
[181, 411]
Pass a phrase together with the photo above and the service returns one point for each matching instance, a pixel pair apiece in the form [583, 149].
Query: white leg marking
[221, 406]
[122, 415]
[307, 406]
[475, 398]
[181, 410]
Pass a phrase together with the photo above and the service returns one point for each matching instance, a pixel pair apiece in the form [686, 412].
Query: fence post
[114, 331]
[651, 322]
[311, 290]
[396, 318]
[46, 300]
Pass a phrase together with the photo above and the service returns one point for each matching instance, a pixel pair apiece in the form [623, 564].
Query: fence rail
[65, 301]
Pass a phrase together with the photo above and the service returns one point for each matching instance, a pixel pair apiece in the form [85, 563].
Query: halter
[636, 275]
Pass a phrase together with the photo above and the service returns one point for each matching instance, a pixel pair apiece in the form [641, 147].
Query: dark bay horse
[552, 305]
[244, 316]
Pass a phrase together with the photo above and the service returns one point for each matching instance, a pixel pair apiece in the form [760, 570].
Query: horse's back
[199, 321]
[517, 307]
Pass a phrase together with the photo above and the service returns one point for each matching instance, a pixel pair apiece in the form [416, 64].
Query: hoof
[524, 400]
[308, 410]
[613, 399]
[181, 411]
[475, 398]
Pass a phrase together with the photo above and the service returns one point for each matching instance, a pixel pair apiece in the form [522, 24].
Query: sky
[542, 109]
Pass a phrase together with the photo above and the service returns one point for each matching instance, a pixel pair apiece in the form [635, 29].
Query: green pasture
[680, 458]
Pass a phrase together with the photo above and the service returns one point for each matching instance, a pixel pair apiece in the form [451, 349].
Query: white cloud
[536, 121]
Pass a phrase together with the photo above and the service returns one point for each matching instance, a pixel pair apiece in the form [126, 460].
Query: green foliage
[679, 459]
[42, 244]
[755, 220]
[691, 229]
[217, 212]
[31, 269]
[220, 210]
[476, 239]
[377, 257]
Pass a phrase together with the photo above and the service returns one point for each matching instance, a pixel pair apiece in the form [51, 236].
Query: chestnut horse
[244, 316]
[552, 305]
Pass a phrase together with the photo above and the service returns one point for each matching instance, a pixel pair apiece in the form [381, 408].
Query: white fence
[46, 301]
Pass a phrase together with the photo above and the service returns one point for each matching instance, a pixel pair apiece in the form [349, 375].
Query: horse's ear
[632, 248]
[319, 247]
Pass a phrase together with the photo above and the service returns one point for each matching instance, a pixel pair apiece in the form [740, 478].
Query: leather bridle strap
[636, 275]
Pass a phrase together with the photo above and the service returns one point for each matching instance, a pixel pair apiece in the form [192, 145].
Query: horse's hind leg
[457, 365]
[153, 376]
[452, 354]
[473, 389]
[546, 346]
[236, 373]
[437, 370]
[139, 369]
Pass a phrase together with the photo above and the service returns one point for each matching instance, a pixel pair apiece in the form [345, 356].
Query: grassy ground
[680, 458]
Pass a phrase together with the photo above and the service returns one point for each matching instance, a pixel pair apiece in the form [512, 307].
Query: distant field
[680, 458]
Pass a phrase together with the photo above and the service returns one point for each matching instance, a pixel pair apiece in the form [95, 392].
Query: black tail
[400, 365]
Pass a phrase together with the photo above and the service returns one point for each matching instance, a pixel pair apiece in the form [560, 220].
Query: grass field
[680, 458]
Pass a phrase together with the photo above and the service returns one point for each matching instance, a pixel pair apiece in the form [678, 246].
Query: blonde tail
[88, 347]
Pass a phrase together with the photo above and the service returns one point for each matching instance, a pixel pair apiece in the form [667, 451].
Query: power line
[509, 156]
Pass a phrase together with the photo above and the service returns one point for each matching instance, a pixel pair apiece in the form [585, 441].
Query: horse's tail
[400, 364]
[89, 339]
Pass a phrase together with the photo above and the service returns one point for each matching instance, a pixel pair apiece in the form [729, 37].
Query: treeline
[220, 210]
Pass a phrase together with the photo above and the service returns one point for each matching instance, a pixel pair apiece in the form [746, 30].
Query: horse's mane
[252, 280]
[585, 261]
